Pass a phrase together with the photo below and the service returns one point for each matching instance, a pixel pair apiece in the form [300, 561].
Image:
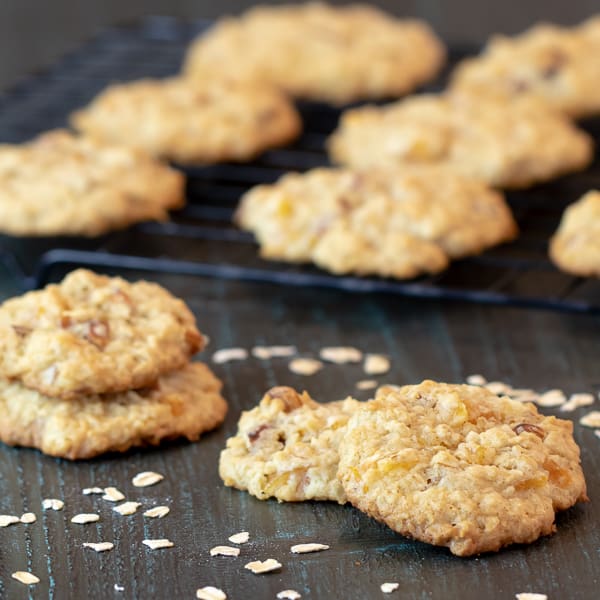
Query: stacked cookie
[97, 364]
[451, 465]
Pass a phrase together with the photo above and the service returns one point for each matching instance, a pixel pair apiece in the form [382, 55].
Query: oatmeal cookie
[394, 223]
[320, 52]
[457, 466]
[287, 448]
[575, 247]
[506, 144]
[93, 335]
[183, 403]
[212, 120]
[558, 64]
[62, 184]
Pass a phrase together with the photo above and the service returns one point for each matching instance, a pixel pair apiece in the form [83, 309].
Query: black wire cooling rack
[200, 238]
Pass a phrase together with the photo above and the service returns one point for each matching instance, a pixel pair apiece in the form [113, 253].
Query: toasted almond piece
[475, 379]
[25, 577]
[376, 364]
[224, 551]
[305, 548]
[127, 508]
[158, 512]
[263, 566]
[99, 546]
[28, 518]
[239, 538]
[84, 518]
[388, 588]
[228, 354]
[6, 520]
[499, 388]
[288, 595]
[305, 366]
[266, 352]
[530, 596]
[592, 419]
[52, 504]
[112, 494]
[577, 400]
[210, 593]
[147, 478]
[552, 398]
[366, 384]
[158, 544]
[93, 490]
[341, 354]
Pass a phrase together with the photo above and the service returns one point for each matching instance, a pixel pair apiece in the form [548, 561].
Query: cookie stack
[97, 364]
[451, 465]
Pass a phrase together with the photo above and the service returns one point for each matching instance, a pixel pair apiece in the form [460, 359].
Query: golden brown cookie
[575, 247]
[212, 120]
[93, 334]
[457, 466]
[62, 184]
[395, 223]
[508, 144]
[286, 448]
[558, 64]
[183, 403]
[321, 52]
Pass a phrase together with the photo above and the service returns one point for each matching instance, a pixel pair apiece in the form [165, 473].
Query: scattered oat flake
[474, 380]
[341, 354]
[577, 400]
[376, 364]
[388, 588]
[263, 566]
[93, 490]
[52, 504]
[210, 593]
[224, 551]
[524, 395]
[366, 384]
[498, 388]
[158, 512]
[266, 352]
[127, 508]
[239, 538]
[147, 478]
[226, 354]
[99, 546]
[592, 419]
[158, 544]
[305, 548]
[305, 366]
[118, 588]
[530, 596]
[597, 433]
[288, 595]
[112, 494]
[84, 518]
[6, 520]
[25, 577]
[552, 398]
[28, 518]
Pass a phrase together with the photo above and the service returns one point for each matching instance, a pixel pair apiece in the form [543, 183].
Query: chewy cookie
[506, 144]
[559, 64]
[456, 466]
[62, 184]
[287, 448]
[320, 52]
[183, 403]
[210, 121]
[394, 223]
[94, 335]
[575, 247]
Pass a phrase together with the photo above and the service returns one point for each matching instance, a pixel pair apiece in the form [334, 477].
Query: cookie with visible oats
[62, 184]
[457, 466]
[210, 121]
[390, 222]
[320, 52]
[575, 247]
[287, 448]
[508, 144]
[93, 334]
[181, 404]
[558, 64]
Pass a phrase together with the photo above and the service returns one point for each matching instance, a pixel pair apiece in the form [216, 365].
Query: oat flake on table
[25, 577]
[592, 419]
[366, 384]
[228, 354]
[552, 398]
[224, 551]
[210, 593]
[158, 544]
[263, 566]
[388, 588]
[239, 538]
[52, 504]
[267, 352]
[6, 520]
[127, 508]
[112, 494]
[530, 596]
[341, 355]
[147, 478]
[28, 518]
[83, 518]
[305, 366]
[476, 379]
[99, 546]
[288, 595]
[93, 490]
[158, 512]
[576, 401]
[376, 364]
[306, 548]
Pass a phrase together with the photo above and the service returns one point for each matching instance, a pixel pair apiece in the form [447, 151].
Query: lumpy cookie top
[320, 52]
[287, 448]
[506, 143]
[454, 465]
[93, 334]
[62, 184]
[210, 120]
[559, 64]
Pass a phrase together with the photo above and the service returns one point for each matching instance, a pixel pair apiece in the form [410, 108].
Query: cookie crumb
[577, 400]
[224, 551]
[52, 504]
[376, 364]
[158, 512]
[530, 596]
[592, 419]
[264, 566]
[288, 595]
[228, 354]
[93, 490]
[552, 398]
[28, 518]
[99, 546]
[388, 588]
[158, 544]
[147, 478]
[305, 366]
[266, 352]
[210, 593]
[475, 380]
[25, 577]
[239, 538]
[366, 384]
[305, 548]
[112, 494]
[127, 508]
[341, 355]
[84, 518]
[6, 520]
